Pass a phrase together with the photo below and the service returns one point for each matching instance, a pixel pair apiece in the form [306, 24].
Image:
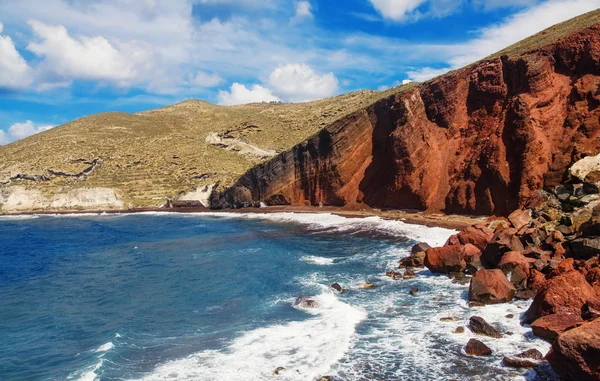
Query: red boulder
[575, 355]
[566, 293]
[491, 286]
[478, 236]
[446, 259]
[550, 326]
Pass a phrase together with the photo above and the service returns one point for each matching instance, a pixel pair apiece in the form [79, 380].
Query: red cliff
[479, 140]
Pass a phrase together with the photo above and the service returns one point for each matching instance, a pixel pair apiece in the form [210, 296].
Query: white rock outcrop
[584, 166]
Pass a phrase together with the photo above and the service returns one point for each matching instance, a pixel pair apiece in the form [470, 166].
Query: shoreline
[415, 217]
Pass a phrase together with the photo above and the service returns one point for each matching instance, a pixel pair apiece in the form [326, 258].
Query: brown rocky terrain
[549, 253]
[479, 140]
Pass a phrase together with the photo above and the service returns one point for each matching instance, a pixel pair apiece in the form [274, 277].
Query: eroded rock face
[480, 140]
[575, 355]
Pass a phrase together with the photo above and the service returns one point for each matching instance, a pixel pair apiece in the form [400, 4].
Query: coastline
[415, 217]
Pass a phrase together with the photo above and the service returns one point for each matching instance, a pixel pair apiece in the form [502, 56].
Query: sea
[169, 296]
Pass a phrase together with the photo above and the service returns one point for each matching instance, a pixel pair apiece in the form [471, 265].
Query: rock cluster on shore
[549, 252]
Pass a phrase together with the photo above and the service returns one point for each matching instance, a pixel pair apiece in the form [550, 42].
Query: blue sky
[63, 59]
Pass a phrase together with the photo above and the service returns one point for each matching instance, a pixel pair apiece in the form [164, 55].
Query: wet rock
[544, 372]
[420, 247]
[520, 218]
[448, 319]
[338, 288]
[368, 285]
[306, 302]
[575, 355]
[480, 327]
[415, 260]
[443, 260]
[476, 304]
[278, 370]
[527, 359]
[566, 293]
[413, 291]
[510, 316]
[477, 348]
[591, 309]
[395, 275]
[550, 326]
[491, 286]
[409, 274]
[459, 330]
[326, 378]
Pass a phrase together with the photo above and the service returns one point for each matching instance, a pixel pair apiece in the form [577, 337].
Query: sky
[64, 59]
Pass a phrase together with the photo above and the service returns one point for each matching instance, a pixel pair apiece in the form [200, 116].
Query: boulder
[491, 286]
[477, 348]
[420, 247]
[504, 240]
[414, 291]
[459, 330]
[591, 309]
[409, 274]
[520, 218]
[566, 293]
[446, 259]
[585, 248]
[337, 287]
[582, 168]
[550, 326]
[536, 280]
[415, 260]
[527, 359]
[478, 236]
[368, 285]
[516, 268]
[480, 327]
[472, 253]
[575, 355]
[563, 267]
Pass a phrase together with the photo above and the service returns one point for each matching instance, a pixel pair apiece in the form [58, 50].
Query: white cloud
[202, 79]
[239, 94]
[22, 130]
[299, 83]
[396, 9]
[426, 73]
[497, 37]
[86, 58]
[15, 73]
[303, 11]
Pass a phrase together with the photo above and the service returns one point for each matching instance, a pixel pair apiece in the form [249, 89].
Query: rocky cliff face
[480, 140]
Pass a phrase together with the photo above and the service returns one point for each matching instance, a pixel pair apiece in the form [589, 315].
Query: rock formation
[479, 140]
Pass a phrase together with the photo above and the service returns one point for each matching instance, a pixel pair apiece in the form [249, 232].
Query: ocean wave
[306, 349]
[317, 260]
[434, 236]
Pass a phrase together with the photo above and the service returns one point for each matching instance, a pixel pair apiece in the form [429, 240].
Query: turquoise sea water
[210, 297]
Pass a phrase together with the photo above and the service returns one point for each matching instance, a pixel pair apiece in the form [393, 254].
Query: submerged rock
[368, 285]
[336, 286]
[306, 302]
[527, 359]
[278, 370]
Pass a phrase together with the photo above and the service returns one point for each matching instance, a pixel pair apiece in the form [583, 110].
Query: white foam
[9, 217]
[433, 236]
[105, 347]
[317, 260]
[306, 349]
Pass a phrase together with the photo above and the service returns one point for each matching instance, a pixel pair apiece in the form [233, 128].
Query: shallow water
[209, 297]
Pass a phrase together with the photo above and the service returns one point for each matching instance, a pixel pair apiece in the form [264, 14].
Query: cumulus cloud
[303, 11]
[299, 83]
[396, 9]
[239, 94]
[521, 25]
[15, 73]
[86, 58]
[22, 130]
[203, 79]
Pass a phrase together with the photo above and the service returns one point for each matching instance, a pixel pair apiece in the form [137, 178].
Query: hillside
[479, 140]
[158, 154]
